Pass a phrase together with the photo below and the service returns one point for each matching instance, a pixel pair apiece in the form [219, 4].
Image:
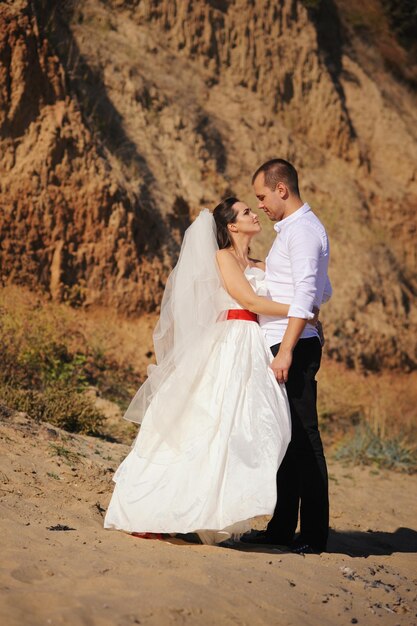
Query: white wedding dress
[229, 427]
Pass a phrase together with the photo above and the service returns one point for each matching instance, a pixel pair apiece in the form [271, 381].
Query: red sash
[241, 314]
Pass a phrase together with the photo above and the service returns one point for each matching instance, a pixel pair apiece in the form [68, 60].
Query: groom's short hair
[278, 171]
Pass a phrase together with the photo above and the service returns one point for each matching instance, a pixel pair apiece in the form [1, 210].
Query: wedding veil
[191, 304]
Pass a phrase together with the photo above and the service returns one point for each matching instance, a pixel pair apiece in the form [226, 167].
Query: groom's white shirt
[296, 272]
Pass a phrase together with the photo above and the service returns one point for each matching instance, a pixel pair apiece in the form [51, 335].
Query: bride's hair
[224, 214]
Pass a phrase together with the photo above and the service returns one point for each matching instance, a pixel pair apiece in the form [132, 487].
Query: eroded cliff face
[122, 119]
[67, 224]
[270, 48]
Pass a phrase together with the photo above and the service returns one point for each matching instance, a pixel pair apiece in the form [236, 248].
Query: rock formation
[121, 119]
[68, 225]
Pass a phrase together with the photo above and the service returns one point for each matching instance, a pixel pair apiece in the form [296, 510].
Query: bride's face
[246, 222]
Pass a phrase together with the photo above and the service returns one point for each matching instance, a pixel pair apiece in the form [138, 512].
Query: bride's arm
[240, 290]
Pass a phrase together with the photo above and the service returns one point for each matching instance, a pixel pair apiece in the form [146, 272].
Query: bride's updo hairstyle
[224, 214]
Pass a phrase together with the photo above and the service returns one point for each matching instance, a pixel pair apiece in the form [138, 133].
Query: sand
[58, 565]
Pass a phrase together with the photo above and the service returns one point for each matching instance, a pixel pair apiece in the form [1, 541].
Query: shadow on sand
[378, 543]
[352, 543]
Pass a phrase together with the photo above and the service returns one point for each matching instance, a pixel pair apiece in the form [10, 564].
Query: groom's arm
[304, 250]
[282, 362]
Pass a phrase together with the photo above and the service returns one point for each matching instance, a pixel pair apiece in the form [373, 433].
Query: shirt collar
[278, 226]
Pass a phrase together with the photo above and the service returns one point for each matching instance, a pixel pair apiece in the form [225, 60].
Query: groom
[296, 273]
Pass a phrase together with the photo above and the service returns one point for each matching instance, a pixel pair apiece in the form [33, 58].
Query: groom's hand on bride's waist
[281, 365]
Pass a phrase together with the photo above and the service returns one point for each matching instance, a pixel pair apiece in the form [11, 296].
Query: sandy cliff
[120, 120]
[68, 224]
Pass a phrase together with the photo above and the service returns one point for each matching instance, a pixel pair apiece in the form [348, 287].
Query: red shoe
[158, 536]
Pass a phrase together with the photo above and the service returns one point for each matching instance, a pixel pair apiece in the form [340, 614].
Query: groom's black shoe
[299, 546]
[262, 538]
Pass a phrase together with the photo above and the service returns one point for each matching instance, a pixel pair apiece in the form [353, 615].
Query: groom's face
[270, 201]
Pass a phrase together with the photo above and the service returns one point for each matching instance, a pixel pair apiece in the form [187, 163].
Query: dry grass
[52, 354]
[369, 418]
[386, 401]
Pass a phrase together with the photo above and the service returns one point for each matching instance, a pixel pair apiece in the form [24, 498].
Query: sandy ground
[58, 566]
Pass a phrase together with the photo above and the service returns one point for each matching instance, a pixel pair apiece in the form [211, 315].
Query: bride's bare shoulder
[224, 256]
[222, 252]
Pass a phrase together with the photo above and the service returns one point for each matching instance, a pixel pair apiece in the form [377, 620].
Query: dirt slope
[88, 576]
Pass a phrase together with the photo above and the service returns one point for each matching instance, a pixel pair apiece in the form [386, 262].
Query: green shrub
[367, 447]
[34, 353]
[46, 364]
[62, 406]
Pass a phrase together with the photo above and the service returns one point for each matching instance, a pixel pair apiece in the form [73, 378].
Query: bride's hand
[319, 328]
[316, 322]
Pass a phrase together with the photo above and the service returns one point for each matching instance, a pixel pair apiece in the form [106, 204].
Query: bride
[215, 424]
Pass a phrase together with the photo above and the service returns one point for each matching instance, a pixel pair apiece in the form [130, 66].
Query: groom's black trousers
[302, 481]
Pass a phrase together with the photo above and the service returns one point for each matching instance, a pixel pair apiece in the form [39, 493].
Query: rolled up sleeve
[304, 249]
